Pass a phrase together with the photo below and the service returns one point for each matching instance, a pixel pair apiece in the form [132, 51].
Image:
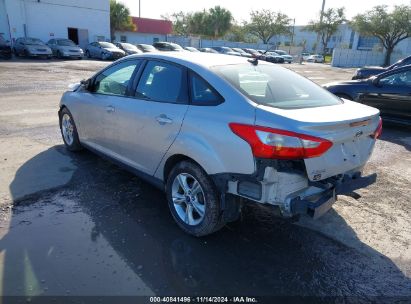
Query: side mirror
[86, 84]
[376, 82]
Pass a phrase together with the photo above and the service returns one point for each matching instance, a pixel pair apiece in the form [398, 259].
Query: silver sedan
[209, 129]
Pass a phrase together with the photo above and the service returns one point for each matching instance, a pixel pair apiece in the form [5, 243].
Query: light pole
[292, 37]
[139, 8]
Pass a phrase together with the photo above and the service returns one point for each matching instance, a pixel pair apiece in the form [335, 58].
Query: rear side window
[202, 93]
[276, 87]
[162, 81]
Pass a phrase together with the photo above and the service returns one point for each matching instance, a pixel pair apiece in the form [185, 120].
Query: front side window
[397, 79]
[161, 81]
[202, 93]
[276, 87]
[115, 80]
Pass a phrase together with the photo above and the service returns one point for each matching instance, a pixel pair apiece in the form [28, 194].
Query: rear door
[392, 96]
[148, 123]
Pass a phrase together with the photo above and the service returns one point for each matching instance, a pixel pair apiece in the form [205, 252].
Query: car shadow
[109, 218]
[400, 135]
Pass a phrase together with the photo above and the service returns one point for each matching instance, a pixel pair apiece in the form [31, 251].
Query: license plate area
[343, 157]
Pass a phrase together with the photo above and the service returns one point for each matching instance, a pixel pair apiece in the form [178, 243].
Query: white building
[79, 20]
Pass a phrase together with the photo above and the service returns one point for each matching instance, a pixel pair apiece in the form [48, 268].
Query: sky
[302, 10]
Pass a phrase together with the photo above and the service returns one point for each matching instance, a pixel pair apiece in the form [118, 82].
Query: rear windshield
[276, 87]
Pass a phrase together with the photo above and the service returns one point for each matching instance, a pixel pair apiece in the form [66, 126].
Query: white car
[316, 58]
[305, 56]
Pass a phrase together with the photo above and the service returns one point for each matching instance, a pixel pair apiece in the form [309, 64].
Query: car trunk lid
[348, 126]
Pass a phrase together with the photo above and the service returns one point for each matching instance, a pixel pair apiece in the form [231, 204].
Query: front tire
[69, 131]
[193, 200]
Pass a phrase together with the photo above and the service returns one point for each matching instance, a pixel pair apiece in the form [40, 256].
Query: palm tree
[219, 20]
[120, 19]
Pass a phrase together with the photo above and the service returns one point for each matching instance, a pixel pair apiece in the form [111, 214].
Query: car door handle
[110, 109]
[163, 119]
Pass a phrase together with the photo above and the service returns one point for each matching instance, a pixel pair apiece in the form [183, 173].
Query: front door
[97, 110]
[392, 96]
[148, 124]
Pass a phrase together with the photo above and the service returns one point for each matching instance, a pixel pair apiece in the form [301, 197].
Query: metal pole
[292, 38]
[139, 8]
[321, 21]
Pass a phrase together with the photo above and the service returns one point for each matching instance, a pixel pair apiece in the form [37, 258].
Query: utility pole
[321, 21]
[292, 38]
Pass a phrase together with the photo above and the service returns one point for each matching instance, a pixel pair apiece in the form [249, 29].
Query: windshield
[281, 52]
[33, 41]
[65, 42]
[107, 45]
[147, 47]
[279, 88]
[227, 49]
[128, 46]
[175, 46]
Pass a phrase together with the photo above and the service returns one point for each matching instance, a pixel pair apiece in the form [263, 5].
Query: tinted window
[401, 79]
[114, 80]
[161, 81]
[276, 87]
[202, 93]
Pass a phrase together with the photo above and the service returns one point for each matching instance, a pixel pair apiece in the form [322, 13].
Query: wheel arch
[174, 160]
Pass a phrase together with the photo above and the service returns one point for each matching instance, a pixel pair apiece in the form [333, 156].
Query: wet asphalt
[109, 233]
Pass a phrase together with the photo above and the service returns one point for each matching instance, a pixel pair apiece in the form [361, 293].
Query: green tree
[219, 20]
[120, 19]
[181, 22]
[389, 27]
[266, 24]
[327, 25]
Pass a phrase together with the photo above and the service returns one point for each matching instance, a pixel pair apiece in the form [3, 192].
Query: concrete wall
[50, 18]
[359, 58]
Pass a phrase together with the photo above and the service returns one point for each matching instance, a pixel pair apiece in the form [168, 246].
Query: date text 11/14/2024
[240, 299]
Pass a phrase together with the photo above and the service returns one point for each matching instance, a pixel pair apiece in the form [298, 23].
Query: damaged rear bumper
[319, 204]
[285, 185]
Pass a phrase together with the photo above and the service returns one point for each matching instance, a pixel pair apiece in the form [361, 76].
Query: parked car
[366, 72]
[242, 52]
[287, 58]
[168, 46]
[5, 49]
[315, 58]
[128, 48]
[31, 47]
[191, 49]
[271, 136]
[104, 50]
[208, 50]
[146, 48]
[389, 92]
[252, 52]
[305, 56]
[274, 57]
[225, 50]
[62, 47]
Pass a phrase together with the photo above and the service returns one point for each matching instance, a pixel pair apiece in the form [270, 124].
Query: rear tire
[69, 131]
[189, 190]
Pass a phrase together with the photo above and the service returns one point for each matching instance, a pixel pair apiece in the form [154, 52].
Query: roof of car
[201, 59]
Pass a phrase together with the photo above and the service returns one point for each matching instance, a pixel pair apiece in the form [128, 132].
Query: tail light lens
[378, 131]
[280, 144]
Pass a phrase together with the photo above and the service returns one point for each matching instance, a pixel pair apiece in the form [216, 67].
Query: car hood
[372, 68]
[346, 83]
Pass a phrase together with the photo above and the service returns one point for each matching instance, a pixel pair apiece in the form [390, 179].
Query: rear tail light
[378, 131]
[280, 144]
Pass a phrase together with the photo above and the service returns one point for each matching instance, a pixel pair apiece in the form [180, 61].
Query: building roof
[152, 26]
